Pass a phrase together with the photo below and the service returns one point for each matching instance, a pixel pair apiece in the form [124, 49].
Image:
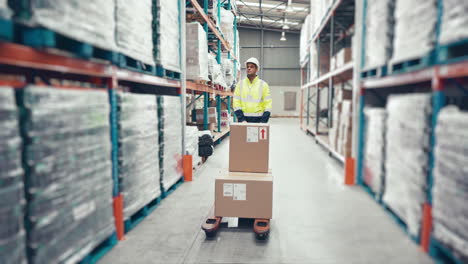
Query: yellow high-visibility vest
[253, 98]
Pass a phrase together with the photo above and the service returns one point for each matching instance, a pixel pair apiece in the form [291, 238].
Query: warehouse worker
[252, 99]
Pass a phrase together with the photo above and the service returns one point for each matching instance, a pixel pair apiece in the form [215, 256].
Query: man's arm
[237, 104]
[267, 103]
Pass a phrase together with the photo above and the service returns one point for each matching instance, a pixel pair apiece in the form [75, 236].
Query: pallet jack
[212, 224]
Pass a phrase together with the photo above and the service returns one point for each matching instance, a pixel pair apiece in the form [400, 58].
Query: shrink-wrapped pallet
[406, 154]
[449, 191]
[139, 178]
[379, 32]
[90, 22]
[374, 150]
[134, 32]
[454, 25]
[197, 52]
[415, 29]
[227, 26]
[12, 234]
[191, 143]
[168, 54]
[69, 172]
[170, 115]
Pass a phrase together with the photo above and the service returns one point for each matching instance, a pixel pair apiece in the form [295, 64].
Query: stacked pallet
[379, 33]
[454, 25]
[68, 172]
[12, 235]
[375, 149]
[168, 30]
[170, 116]
[411, 39]
[134, 32]
[197, 52]
[91, 22]
[139, 178]
[407, 143]
[339, 135]
[450, 190]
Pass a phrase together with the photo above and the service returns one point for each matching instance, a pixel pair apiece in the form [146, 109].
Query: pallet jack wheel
[211, 226]
[262, 229]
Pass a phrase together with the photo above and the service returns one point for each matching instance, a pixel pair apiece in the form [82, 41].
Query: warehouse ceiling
[273, 14]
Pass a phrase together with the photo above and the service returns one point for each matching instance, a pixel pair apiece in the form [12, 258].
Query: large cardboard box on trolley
[245, 195]
[249, 147]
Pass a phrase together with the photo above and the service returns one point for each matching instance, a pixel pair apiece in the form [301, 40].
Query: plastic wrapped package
[139, 178]
[415, 25]
[374, 149]
[313, 62]
[5, 11]
[454, 25]
[134, 32]
[406, 154]
[171, 143]
[191, 143]
[450, 188]
[379, 32]
[96, 20]
[228, 67]
[69, 176]
[197, 52]
[169, 35]
[12, 234]
[227, 26]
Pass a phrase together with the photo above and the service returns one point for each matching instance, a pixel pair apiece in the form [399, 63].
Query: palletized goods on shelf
[406, 165]
[411, 40]
[12, 235]
[68, 171]
[374, 153]
[379, 32]
[134, 32]
[139, 178]
[197, 52]
[450, 187]
[454, 25]
[170, 108]
[90, 22]
[169, 35]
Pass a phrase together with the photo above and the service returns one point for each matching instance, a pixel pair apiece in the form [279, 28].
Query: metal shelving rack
[222, 95]
[333, 32]
[446, 80]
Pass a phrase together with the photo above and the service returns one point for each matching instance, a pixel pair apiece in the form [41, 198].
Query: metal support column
[205, 9]
[331, 88]
[308, 107]
[317, 87]
[218, 111]
[206, 102]
[182, 62]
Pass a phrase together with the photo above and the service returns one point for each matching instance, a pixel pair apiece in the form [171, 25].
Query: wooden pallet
[174, 187]
[129, 63]
[100, 250]
[453, 52]
[443, 254]
[39, 37]
[139, 215]
[375, 72]
[411, 65]
[162, 72]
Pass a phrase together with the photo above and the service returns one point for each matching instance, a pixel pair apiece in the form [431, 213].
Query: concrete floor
[316, 218]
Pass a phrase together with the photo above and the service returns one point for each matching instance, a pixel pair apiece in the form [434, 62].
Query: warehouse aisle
[316, 218]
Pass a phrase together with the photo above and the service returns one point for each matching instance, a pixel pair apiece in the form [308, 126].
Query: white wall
[277, 94]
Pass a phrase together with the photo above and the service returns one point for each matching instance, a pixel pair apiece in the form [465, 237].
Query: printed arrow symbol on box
[263, 133]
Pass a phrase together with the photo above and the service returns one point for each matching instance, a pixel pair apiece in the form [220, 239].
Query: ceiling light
[283, 37]
[285, 27]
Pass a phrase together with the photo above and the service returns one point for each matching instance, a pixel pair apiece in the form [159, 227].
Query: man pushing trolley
[246, 189]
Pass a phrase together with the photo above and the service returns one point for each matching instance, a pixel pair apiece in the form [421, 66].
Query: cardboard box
[246, 195]
[343, 56]
[212, 115]
[249, 147]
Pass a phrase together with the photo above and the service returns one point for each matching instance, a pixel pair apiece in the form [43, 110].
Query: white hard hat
[254, 61]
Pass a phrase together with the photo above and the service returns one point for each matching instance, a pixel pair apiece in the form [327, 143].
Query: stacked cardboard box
[343, 56]
[336, 134]
[12, 235]
[345, 129]
[247, 189]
